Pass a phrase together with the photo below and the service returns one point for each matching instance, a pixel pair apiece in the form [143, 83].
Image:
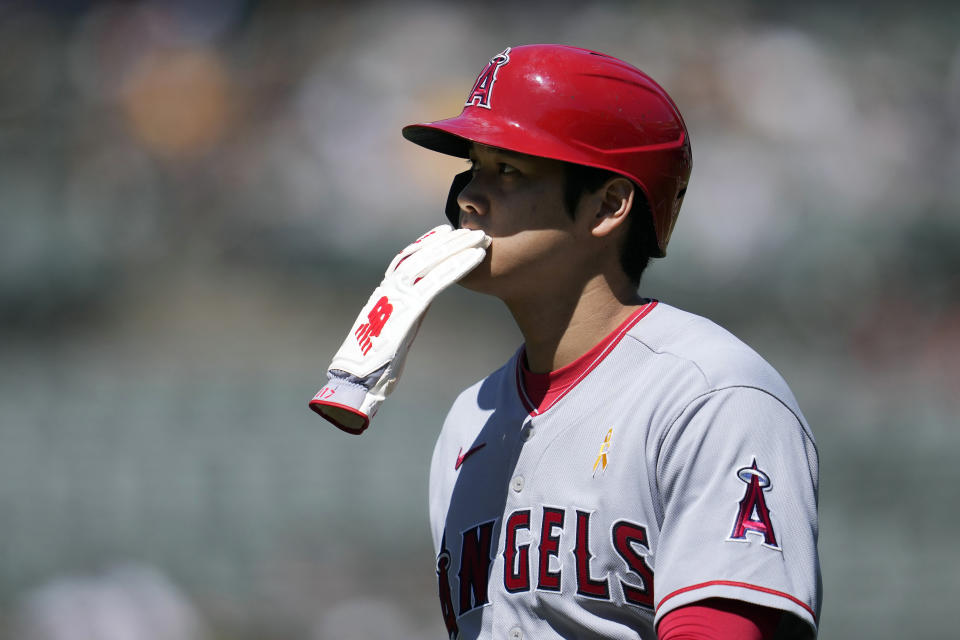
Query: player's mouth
[466, 223]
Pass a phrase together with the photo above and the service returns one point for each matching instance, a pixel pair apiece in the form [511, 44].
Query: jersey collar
[540, 391]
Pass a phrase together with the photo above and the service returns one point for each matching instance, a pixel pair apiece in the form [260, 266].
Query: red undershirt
[719, 619]
[711, 619]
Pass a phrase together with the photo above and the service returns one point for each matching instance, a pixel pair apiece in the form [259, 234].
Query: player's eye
[502, 168]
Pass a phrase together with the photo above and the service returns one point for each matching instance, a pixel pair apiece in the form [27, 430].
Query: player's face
[517, 200]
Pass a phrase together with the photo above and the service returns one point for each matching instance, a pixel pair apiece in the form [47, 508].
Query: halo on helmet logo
[483, 87]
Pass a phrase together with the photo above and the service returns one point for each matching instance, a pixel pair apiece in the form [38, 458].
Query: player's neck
[560, 326]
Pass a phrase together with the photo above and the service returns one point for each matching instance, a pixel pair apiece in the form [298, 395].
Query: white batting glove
[370, 361]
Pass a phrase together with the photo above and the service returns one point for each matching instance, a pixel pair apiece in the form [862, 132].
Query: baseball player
[634, 470]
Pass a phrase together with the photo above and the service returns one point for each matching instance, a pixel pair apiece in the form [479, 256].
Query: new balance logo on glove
[377, 317]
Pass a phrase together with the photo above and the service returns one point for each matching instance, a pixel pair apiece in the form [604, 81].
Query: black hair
[641, 242]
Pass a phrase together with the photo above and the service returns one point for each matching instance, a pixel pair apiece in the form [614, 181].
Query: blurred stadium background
[197, 197]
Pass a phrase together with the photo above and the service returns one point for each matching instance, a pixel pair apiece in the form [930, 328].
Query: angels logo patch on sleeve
[753, 516]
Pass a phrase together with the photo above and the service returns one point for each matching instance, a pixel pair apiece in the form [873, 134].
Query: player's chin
[479, 278]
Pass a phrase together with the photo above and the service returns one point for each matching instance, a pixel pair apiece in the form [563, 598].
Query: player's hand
[369, 363]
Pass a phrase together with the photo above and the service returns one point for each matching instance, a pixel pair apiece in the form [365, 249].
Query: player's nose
[472, 201]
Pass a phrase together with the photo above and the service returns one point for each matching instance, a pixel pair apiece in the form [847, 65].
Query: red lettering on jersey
[443, 588]
[376, 319]
[587, 586]
[625, 535]
[549, 546]
[483, 87]
[475, 566]
[752, 503]
[516, 574]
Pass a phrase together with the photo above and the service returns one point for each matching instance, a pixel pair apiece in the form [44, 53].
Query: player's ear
[615, 199]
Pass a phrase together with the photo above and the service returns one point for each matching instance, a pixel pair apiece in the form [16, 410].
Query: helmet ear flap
[452, 210]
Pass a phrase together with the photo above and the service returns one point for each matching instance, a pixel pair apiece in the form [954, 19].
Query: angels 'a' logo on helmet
[483, 88]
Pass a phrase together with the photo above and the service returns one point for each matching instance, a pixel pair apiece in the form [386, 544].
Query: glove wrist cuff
[341, 403]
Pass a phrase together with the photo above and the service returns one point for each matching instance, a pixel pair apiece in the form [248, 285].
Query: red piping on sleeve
[742, 585]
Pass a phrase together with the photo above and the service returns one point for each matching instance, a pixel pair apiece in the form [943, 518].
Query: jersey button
[516, 634]
[527, 432]
[517, 483]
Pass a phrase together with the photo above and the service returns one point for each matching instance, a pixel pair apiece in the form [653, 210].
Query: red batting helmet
[577, 106]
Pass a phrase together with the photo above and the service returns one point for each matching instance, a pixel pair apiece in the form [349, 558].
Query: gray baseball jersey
[668, 465]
